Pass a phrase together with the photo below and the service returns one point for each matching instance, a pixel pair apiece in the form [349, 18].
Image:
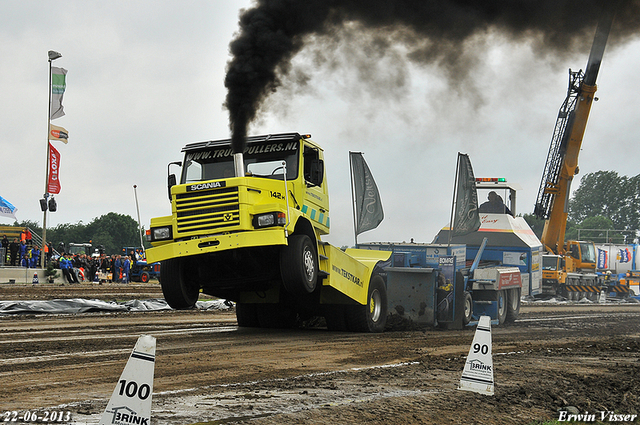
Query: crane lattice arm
[562, 160]
[555, 158]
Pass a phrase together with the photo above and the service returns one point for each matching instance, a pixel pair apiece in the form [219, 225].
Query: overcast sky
[146, 77]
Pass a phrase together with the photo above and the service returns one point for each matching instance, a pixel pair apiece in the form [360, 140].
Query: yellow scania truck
[252, 234]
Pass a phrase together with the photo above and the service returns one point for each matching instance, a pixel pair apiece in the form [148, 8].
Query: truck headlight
[160, 233]
[269, 220]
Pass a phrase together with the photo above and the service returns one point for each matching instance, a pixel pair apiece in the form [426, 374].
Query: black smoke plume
[272, 32]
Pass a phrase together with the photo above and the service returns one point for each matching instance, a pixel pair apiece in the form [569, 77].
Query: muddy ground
[581, 357]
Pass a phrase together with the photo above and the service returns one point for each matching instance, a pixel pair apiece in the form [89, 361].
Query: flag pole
[453, 201]
[46, 167]
[135, 192]
[53, 55]
[353, 199]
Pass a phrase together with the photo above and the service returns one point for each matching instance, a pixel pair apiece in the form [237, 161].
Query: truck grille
[208, 210]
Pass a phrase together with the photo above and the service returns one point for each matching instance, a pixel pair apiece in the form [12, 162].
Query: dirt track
[208, 370]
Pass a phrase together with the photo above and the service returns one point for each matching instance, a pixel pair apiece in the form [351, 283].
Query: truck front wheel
[371, 317]
[180, 288]
[299, 265]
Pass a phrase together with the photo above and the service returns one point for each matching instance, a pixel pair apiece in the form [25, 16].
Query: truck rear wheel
[513, 304]
[180, 288]
[371, 317]
[299, 265]
[276, 316]
[334, 315]
[502, 306]
[247, 315]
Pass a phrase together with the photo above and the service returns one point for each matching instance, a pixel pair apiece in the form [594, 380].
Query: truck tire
[502, 306]
[513, 304]
[276, 316]
[468, 309]
[334, 315]
[144, 277]
[299, 265]
[371, 317]
[247, 315]
[180, 289]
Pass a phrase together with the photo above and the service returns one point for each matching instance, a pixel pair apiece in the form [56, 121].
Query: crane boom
[562, 160]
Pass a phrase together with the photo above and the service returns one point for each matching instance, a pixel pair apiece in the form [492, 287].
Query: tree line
[604, 201]
[111, 231]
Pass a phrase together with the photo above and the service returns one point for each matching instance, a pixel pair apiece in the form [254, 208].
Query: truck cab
[553, 273]
[581, 256]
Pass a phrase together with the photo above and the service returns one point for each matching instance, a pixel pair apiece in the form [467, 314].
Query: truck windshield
[549, 262]
[260, 160]
[588, 252]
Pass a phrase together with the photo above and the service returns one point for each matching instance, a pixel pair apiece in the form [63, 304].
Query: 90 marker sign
[480, 348]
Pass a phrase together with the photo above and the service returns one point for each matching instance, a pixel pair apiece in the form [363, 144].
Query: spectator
[65, 266]
[5, 245]
[34, 253]
[93, 268]
[126, 270]
[14, 249]
[117, 267]
[48, 251]
[23, 253]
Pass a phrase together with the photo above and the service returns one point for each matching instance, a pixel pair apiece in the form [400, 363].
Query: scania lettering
[212, 185]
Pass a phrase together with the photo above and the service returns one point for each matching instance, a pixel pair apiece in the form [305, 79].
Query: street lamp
[53, 55]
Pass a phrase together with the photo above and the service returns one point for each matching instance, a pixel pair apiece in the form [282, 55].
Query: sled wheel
[144, 277]
[468, 309]
[247, 315]
[513, 304]
[502, 306]
[299, 265]
[371, 317]
[179, 287]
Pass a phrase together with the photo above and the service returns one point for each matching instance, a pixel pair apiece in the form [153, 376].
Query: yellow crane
[570, 267]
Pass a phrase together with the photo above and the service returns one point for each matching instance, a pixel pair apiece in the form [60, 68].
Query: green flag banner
[58, 85]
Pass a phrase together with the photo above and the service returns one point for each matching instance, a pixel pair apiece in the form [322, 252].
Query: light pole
[135, 192]
[52, 56]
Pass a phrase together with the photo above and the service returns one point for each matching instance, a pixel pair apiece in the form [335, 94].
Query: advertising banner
[53, 184]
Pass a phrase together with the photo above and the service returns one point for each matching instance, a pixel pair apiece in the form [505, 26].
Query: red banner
[53, 185]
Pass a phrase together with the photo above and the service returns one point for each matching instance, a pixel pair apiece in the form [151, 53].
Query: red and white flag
[53, 185]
